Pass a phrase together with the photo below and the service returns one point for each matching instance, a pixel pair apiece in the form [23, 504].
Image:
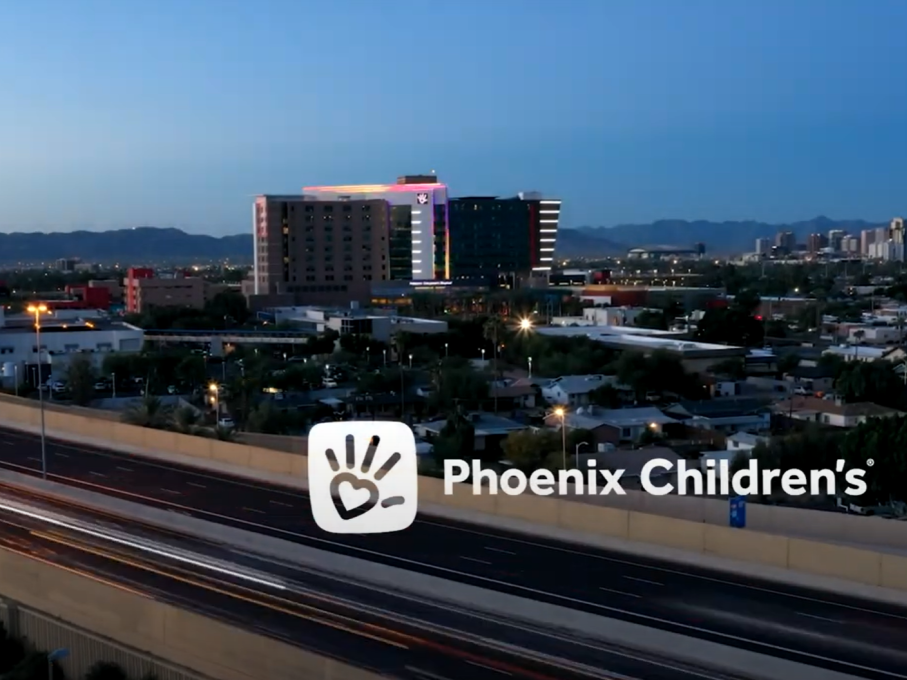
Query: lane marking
[490, 668]
[499, 550]
[196, 485]
[818, 618]
[260, 512]
[643, 580]
[283, 505]
[96, 474]
[620, 592]
[62, 455]
[34, 458]
[175, 493]
[124, 469]
[473, 559]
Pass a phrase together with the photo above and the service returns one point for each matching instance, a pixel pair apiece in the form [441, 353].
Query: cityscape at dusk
[408, 341]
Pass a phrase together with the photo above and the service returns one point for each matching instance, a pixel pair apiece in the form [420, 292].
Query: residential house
[726, 415]
[863, 353]
[812, 379]
[833, 412]
[573, 390]
[613, 426]
[490, 432]
[745, 441]
[514, 394]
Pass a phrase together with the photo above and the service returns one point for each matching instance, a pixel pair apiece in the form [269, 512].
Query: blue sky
[176, 112]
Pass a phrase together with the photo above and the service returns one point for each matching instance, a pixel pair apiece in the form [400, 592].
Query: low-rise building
[613, 426]
[725, 415]
[381, 327]
[834, 412]
[863, 353]
[574, 390]
[61, 339]
[145, 290]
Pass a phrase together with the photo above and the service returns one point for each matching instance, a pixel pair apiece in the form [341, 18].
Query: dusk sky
[176, 112]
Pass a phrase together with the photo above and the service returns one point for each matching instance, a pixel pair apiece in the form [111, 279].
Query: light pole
[16, 378]
[530, 368]
[446, 350]
[483, 356]
[578, 447]
[38, 310]
[384, 354]
[113, 385]
[561, 413]
[215, 399]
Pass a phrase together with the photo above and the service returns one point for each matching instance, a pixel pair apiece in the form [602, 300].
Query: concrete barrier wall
[693, 524]
[207, 647]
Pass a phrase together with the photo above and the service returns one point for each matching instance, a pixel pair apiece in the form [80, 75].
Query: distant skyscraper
[319, 251]
[786, 241]
[763, 246]
[418, 238]
[491, 235]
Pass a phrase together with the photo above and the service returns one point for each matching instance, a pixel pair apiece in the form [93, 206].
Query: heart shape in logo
[345, 487]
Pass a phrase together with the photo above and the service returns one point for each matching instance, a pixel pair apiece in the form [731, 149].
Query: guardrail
[749, 546]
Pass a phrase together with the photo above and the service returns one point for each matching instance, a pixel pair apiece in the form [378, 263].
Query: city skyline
[651, 110]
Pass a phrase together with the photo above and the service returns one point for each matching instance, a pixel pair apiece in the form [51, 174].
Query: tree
[12, 651]
[150, 411]
[191, 371]
[605, 396]
[185, 420]
[874, 381]
[884, 441]
[656, 320]
[104, 670]
[458, 385]
[80, 378]
[529, 450]
[733, 368]
[456, 441]
[660, 372]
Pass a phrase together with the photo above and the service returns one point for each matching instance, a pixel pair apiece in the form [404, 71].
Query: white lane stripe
[643, 580]
[818, 618]
[619, 592]
[499, 550]
[473, 559]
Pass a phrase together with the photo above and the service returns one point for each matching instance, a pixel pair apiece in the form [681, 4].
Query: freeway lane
[322, 622]
[821, 629]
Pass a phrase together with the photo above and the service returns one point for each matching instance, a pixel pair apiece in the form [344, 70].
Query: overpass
[234, 337]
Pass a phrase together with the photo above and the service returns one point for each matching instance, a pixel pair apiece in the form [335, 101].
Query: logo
[422, 199]
[363, 477]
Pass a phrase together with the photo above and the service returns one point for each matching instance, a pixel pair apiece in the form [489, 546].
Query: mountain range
[143, 245]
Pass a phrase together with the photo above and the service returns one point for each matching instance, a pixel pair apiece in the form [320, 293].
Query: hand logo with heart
[357, 496]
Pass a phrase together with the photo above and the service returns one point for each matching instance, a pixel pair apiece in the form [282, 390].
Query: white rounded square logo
[370, 469]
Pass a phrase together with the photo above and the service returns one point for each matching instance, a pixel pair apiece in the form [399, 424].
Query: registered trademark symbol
[870, 462]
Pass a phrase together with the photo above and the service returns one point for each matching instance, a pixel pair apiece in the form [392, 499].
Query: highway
[316, 614]
[818, 628]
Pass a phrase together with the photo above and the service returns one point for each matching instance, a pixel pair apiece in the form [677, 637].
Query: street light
[525, 324]
[561, 413]
[578, 447]
[410, 360]
[446, 350]
[215, 398]
[38, 310]
[483, 355]
[530, 368]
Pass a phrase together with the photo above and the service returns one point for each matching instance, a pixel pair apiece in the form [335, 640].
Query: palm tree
[185, 420]
[148, 412]
[493, 330]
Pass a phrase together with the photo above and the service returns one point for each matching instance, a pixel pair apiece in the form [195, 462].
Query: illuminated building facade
[491, 235]
[418, 234]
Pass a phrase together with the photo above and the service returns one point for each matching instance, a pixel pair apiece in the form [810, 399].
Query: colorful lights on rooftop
[374, 188]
